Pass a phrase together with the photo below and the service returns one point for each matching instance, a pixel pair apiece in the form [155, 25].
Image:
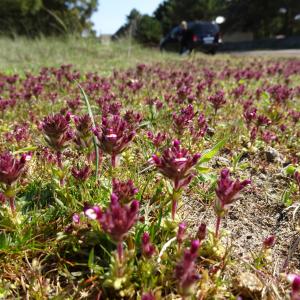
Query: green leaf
[207, 156]
[203, 170]
[91, 260]
[286, 198]
[26, 149]
[290, 170]
[95, 140]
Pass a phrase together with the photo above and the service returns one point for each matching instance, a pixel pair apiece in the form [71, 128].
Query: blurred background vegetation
[264, 19]
[46, 17]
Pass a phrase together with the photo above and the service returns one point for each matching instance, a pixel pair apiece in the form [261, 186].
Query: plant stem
[174, 207]
[218, 226]
[12, 205]
[60, 165]
[120, 252]
[59, 160]
[113, 160]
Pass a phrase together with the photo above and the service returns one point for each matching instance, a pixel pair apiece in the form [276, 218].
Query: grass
[88, 55]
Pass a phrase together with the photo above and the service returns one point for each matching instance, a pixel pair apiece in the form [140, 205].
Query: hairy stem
[218, 223]
[12, 204]
[120, 252]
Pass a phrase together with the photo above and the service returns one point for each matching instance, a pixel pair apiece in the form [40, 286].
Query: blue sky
[111, 14]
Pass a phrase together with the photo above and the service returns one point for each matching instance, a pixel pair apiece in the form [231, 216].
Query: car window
[205, 28]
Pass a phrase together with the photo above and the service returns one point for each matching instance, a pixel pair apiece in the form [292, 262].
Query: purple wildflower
[217, 100]
[11, 168]
[182, 120]
[295, 280]
[200, 129]
[295, 115]
[76, 218]
[227, 191]
[148, 296]
[56, 130]
[185, 271]
[269, 137]
[201, 234]
[177, 164]
[117, 219]
[83, 126]
[147, 248]
[125, 191]
[181, 233]
[269, 241]
[250, 115]
[157, 139]
[114, 136]
[262, 121]
[93, 212]
[81, 174]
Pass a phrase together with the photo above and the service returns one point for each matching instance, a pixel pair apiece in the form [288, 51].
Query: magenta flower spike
[263, 121]
[185, 271]
[295, 280]
[57, 131]
[114, 136]
[269, 241]
[157, 139]
[217, 100]
[269, 137]
[125, 191]
[81, 174]
[199, 130]
[177, 165]
[148, 296]
[83, 126]
[147, 248]
[227, 191]
[11, 169]
[180, 234]
[183, 119]
[201, 233]
[249, 115]
[116, 220]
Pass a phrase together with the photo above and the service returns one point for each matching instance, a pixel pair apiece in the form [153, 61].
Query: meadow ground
[135, 174]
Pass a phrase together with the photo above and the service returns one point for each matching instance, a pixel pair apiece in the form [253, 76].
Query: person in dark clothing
[186, 38]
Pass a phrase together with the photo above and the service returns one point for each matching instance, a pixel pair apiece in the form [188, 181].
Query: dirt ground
[256, 214]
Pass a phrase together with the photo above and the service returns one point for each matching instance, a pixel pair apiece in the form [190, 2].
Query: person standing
[186, 39]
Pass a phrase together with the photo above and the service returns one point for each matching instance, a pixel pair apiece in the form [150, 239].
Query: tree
[130, 26]
[171, 12]
[148, 30]
[262, 18]
[33, 17]
[143, 28]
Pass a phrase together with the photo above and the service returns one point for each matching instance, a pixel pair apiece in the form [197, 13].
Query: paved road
[278, 53]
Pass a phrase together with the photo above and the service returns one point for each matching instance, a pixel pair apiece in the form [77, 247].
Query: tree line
[47, 17]
[264, 19]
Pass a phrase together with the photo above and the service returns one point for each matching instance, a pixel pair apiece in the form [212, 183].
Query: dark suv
[204, 36]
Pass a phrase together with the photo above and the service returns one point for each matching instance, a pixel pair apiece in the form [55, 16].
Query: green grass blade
[90, 112]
